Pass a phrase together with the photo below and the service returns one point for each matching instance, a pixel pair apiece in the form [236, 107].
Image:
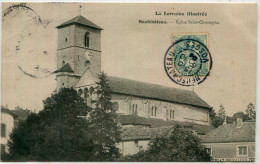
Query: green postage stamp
[188, 61]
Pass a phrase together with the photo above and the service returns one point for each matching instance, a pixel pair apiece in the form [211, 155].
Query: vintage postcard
[133, 82]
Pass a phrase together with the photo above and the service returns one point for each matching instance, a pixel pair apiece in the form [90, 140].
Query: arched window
[91, 90]
[87, 39]
[133, 109]
[80, 92]
[86, 93]
[171, 114]
[63, 63]
[154, 110]
[66, 39]
[87, 63]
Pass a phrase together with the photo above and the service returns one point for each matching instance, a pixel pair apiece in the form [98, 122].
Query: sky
[129, 49]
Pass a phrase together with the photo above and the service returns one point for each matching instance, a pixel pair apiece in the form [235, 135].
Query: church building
[79, 63]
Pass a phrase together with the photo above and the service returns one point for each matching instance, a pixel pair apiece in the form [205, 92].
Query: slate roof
[133, 120]
[143, 133]
[153, 91]
[157, 123]
[65, 68]
[22, 114]
[4, 110]
[230, 133]
[80, 20]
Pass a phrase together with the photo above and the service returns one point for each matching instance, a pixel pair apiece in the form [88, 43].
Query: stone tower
[79, 48]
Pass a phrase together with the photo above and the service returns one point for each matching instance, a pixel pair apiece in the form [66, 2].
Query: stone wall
[144, 109]
[132, 147]
[72, 50]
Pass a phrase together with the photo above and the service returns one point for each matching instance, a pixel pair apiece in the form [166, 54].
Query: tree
[180, 146]
[57, 133]
[250, 111]
[221, 112]
[241, 115]
[104, 128]
[216, 121]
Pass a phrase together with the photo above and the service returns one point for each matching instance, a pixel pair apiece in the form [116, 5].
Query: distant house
[22, 114]
[7, 125]
[135, 139]
[138, 131]
[232, 142]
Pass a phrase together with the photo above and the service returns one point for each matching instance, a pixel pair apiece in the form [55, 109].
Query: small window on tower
[66, 39]
[87, 63]
[87, 39]
[63, 63]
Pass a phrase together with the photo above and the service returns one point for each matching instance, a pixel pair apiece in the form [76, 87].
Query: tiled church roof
[81, 21]
[153, 91]
[133, 120]
[147, 133]
[157, 123]
[65, 68]
[230, 133]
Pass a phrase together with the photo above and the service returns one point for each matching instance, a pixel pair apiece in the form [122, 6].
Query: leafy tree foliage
[218, 118]
[241, 115]
[57, 133]
[216, 121]
[221, 112]
[180, 146]
[68, 130]
[104, 128]
[250, 111]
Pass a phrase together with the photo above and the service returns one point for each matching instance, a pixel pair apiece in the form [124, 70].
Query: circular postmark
[27, 46]
[187, 62]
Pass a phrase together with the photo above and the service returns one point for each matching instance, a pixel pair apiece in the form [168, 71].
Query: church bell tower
[79, 48]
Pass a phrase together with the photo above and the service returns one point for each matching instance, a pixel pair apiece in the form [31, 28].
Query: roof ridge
[80, 20]
[87, 68]
[152, 84]
[77, 17]
[164, 90]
